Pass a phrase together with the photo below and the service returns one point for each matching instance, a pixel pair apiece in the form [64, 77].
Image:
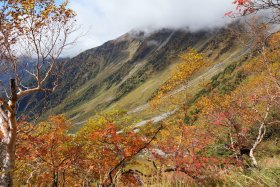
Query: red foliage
[243, 8]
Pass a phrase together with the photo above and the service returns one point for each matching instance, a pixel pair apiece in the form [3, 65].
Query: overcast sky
[103, 20]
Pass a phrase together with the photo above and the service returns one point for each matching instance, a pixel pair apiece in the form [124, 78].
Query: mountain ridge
[103, 77]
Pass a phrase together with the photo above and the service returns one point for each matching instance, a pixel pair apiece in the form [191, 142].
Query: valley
[133, 69]
[139, 93]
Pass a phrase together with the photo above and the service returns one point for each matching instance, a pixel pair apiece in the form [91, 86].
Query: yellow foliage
[191, 62]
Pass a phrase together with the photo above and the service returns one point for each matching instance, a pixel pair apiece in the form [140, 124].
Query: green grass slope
[125, 73]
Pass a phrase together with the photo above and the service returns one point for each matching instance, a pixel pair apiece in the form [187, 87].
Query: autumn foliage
[210, 132]
[247, 7]
[48, 154]
[199, 143]
[36, 30]
[190, 63]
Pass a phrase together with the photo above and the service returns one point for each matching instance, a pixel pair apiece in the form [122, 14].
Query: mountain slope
[124, 73]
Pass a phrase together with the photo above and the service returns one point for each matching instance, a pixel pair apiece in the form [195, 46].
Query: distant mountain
[24, 64]
[125, 72]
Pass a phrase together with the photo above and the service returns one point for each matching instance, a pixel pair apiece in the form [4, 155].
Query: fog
[103, 20]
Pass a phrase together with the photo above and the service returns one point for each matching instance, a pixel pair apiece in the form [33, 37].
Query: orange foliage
[108, 149]
[48, 153]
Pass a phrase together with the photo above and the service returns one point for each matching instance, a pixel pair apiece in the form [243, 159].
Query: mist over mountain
[105, 20]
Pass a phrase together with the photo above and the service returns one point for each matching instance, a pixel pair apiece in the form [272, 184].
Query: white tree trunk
[8, 127]
[262, 131]
[8, 151]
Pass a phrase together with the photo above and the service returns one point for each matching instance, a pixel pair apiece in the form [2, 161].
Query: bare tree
[34, 30]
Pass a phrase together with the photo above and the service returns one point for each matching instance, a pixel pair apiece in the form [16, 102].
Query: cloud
[103, 20]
